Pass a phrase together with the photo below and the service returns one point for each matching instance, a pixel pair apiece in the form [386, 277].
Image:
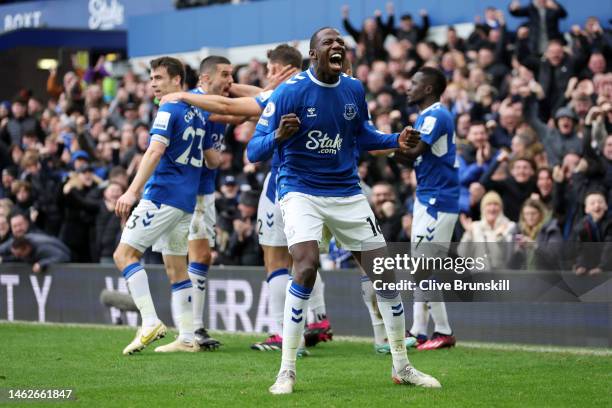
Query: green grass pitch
[337, 374]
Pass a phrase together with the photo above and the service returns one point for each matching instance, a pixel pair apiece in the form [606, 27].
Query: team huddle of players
[312, 126]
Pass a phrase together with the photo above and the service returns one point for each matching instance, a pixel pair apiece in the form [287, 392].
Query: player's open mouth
[335, 60]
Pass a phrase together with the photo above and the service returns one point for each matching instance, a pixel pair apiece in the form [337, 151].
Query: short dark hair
[478, 123]
[173, 66]
[596, 191]
[210, 63]
[286, 55]
[19, 213]
[313, 38]
[21, 243]
[435, 78]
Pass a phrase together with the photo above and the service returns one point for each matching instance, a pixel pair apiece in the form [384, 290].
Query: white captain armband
[161, 139]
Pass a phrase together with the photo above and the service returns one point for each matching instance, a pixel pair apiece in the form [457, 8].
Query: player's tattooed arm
[148, 163]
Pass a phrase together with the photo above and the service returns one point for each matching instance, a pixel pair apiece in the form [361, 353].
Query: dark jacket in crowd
[46, 250]
[594, 240]
[556, 144]
[513, 193]
[416, 35]
[17, 127]
[374, 46]
[552, 18]
[80, 209]
[247, 251]
[547, 252]
[553, 79]
[108, 233]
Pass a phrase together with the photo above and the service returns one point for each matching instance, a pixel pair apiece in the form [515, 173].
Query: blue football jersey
[175, 179]
[216, 132]
[319, 159]
[262, 101]
[437, 170]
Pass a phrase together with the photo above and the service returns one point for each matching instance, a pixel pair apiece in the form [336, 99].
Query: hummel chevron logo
[146, 221]
[296, 315]
[201, 284]
[398, 310]
[429, 237]
[269, 215]
[270, 223]
[430, 230]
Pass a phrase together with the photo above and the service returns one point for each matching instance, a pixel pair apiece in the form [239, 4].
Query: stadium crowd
[533, 115]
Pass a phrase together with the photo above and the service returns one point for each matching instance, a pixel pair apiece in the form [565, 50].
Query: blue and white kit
[205, 215]
[162, 217]
[437, 170]
[317, 181]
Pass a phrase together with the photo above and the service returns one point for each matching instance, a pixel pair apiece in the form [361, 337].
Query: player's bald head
[315, 37]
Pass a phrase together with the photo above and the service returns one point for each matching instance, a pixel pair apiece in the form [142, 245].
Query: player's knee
[199, 251]
[125, 255]
[119, 256]
[305, 269]
[202, 257]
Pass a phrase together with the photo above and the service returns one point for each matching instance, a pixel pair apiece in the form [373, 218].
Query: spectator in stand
[453, 41]
[560, 140]
[410, 32]
[45, 187]
[388, 215]
[38, 250]
[594, 235]
[537, 239]
[490, 235]
[371, 39]
[19, 124]
[108, 226]
[543, 21]
[80, 208]
[544, 188]
[514, 188]
[20, 225]
[476, 157]
[5, 229]
[553, 72]
[503, 131]
[244, 246]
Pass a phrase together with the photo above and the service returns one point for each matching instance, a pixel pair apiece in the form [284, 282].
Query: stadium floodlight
[47, 63]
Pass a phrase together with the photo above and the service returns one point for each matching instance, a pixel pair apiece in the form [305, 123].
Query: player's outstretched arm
[217, 104]
[244, 90]
[371, 139]
[148, 163]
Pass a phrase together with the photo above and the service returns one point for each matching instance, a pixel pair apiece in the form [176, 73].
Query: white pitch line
[532, 348]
